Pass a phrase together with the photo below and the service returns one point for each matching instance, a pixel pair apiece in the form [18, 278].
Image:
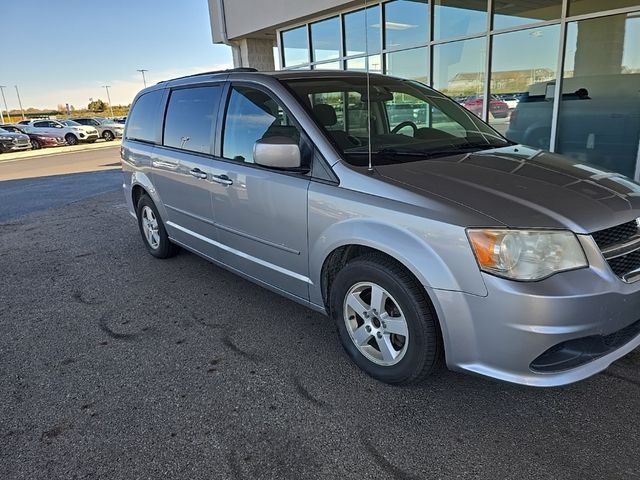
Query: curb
[46, 152]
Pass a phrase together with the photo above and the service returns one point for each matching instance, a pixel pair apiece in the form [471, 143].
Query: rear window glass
[143, 118]
[190, 118]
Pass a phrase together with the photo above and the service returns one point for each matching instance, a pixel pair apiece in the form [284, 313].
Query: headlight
[6, 139]
[526, 255]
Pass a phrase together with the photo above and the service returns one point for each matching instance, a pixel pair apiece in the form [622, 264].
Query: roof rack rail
[229, 70]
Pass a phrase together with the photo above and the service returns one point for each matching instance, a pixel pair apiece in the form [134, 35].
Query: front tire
[385, 322]
[152, 230]
[35, 145]
[108, 136]
[71, 139]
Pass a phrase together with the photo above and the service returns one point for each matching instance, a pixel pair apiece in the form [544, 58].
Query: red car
[497, 107]
[38, 140]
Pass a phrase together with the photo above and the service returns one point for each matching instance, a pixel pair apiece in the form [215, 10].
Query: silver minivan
[383, 204]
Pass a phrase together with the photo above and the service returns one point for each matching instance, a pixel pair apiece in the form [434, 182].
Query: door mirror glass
[277, 152]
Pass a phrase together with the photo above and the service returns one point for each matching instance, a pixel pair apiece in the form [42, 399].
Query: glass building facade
[562, 75]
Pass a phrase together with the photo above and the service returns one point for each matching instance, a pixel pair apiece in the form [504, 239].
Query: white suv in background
[107, 128]
[72, 132]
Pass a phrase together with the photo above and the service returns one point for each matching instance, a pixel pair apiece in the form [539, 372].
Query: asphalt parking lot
[116, 365]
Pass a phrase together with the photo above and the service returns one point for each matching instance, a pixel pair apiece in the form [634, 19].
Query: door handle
[222, 179]
[196, 172]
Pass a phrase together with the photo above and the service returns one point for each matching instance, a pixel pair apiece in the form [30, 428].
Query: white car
[107, 128]
[73, 134]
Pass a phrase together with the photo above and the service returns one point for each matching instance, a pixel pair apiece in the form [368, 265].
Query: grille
[626, 263]
[616, 243]
[619, 234]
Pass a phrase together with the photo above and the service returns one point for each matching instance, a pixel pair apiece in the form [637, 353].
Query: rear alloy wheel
[385, 321]
[35, 145]
[152, 229]
[108, 136]
[71, 139]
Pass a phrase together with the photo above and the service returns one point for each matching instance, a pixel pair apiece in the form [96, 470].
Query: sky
[64, 51]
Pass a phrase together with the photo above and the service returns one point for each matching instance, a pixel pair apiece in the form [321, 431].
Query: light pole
[106, 87]
[2, 87]
[20, 102]
[144, 80]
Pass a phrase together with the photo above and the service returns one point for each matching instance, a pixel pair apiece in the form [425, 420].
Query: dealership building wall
[520, 53]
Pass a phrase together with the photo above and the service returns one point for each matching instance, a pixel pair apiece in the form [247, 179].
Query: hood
[522, 187]
[13, 135]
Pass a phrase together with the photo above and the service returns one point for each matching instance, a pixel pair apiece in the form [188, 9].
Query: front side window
[143, 119]
[190, 118]
[253, 115]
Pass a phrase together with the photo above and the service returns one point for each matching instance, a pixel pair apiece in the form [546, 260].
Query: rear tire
[154, 235]
[108, 136]
[399, 342]
[71, 139]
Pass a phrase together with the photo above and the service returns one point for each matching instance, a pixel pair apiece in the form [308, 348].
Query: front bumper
[51, 142]
[83, 137]
[520, 326]
[9, 146]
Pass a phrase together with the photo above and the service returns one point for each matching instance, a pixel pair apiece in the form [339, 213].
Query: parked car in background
[121, 120]
[511, 99]
[72, 132]
[599, 119]
[107, 128]
[13, 142]
[497, 107]
[91, 132]
[38, 139]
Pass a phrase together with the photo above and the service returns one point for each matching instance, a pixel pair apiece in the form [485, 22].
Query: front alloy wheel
[376, 323]
[385, 320]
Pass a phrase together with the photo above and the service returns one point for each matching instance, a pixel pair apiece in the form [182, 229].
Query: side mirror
[277, 152]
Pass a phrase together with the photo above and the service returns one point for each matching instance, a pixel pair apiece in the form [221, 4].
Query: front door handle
[222, 179]
[196, 172]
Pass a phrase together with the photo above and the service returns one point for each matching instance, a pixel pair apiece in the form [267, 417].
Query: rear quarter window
[143, 121]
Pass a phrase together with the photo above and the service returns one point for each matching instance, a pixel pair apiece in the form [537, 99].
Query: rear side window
[190, 118]
[143, 118]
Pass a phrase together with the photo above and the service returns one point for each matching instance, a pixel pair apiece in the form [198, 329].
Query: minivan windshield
[408, 120]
